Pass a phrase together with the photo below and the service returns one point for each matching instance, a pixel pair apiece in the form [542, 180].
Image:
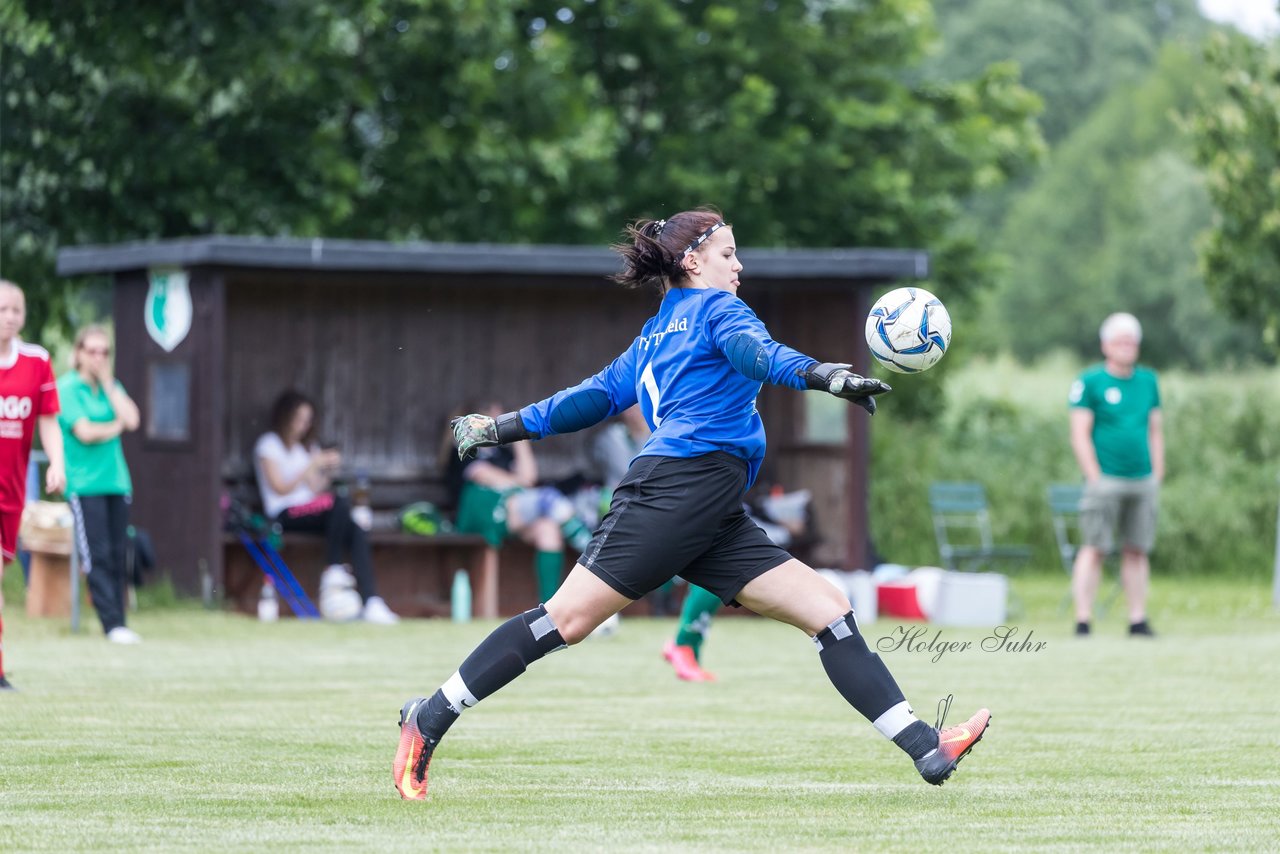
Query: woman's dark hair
[282, 412]
[652, 249]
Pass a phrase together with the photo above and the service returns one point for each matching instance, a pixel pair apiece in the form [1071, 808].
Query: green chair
[962, 525]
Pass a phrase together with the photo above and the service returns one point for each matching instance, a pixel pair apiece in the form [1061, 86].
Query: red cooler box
[898, 599]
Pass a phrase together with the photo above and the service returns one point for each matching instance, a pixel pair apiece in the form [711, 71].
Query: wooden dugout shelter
[389, 339]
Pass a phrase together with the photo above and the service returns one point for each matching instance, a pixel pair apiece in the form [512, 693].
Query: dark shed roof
[338, 255]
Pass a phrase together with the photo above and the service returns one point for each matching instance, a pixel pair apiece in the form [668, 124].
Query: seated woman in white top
[294, 476]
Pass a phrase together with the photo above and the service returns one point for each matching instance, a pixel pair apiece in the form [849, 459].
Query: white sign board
[168, 307]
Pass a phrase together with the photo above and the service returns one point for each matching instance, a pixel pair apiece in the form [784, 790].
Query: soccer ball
[908, 330]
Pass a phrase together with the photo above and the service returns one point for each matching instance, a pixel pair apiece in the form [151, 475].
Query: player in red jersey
[28, 400]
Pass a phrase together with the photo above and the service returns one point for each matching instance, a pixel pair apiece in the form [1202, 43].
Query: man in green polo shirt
[1118, 441]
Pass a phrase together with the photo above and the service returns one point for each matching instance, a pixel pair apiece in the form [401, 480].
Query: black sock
[436, 716]
[857, 672]
[918, 739]
[508, 650]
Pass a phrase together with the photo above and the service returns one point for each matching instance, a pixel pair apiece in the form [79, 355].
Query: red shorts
[9, 522]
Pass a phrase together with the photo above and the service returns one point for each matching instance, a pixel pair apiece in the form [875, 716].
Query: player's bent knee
[832, 604]
[575, 628]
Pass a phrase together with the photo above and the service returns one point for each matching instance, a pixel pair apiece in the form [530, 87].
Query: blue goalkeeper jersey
[696, 370]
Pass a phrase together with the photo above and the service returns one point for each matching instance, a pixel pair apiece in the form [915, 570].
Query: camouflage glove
[837, 379]
[471, 432]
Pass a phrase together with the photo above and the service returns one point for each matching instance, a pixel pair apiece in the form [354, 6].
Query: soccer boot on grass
[685, 663]
[413, 756]
[954, 743]
[5, 686]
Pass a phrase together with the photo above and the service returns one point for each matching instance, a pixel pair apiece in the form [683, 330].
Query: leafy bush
[1006, 427]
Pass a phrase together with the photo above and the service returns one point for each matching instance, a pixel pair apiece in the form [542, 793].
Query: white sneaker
[376, 611]
[124, 635]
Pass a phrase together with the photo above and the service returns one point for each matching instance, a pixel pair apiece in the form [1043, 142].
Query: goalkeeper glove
[472, 432]
[837, 379]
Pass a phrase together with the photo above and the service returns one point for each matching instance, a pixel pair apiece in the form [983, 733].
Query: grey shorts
[1120, 506]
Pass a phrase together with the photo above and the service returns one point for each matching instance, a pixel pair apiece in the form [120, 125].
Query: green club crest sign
[168, 308]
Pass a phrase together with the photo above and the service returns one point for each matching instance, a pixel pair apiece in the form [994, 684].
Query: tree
[494, 120]
[1072, 53]
[1237, 141]
[1110, 226]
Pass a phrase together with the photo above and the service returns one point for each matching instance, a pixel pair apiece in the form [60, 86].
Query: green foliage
[1072, 53]
[495, 120]
[1110, 226]
[1237, 141]
[1006, 426]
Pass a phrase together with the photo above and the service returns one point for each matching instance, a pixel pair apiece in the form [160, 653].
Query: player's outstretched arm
[835, 378]
[742, 337]
[577, 408]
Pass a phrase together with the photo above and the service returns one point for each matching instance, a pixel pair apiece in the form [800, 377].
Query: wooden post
[487, 588]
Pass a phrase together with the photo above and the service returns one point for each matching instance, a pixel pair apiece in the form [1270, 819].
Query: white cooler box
[971, 599]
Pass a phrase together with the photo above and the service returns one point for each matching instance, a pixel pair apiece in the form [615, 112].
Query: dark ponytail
[652, 249]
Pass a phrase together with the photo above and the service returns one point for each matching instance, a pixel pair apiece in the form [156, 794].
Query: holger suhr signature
[916, 639]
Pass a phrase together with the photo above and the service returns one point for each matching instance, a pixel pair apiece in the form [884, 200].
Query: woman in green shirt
[95, 411]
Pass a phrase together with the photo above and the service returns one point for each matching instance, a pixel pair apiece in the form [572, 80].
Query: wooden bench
[414, 573]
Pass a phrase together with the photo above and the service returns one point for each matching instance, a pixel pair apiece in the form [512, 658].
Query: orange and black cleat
[686, 663]
[413, 757]
[954, 743]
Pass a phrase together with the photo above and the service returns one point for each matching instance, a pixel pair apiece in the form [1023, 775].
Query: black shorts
[681, 516]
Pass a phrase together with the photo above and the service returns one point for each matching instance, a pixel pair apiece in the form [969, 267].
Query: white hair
[1120, 323]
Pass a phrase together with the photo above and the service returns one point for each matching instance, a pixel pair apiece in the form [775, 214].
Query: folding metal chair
[255, 533]
[962, 507]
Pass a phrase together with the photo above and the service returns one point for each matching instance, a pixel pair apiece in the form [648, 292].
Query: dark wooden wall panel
[176, 485]
[824, 320]
[389, 360]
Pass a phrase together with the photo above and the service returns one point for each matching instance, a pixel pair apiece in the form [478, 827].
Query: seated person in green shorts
[497, 497]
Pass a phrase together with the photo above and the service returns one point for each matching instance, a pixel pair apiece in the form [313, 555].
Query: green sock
[547, 567]
[695, 618]
[576, 534]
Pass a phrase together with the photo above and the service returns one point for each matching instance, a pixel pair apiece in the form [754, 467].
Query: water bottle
[268, 605]
[460, 597]
[361, 503]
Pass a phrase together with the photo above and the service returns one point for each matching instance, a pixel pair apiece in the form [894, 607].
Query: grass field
[220, 733]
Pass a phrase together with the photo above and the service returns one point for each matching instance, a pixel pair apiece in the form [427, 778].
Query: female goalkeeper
[695, 369]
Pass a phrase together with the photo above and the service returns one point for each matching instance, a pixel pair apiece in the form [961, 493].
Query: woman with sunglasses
[96, 411]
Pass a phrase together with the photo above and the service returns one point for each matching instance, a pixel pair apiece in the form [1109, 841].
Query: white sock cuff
[895, 720]
[457, 693]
